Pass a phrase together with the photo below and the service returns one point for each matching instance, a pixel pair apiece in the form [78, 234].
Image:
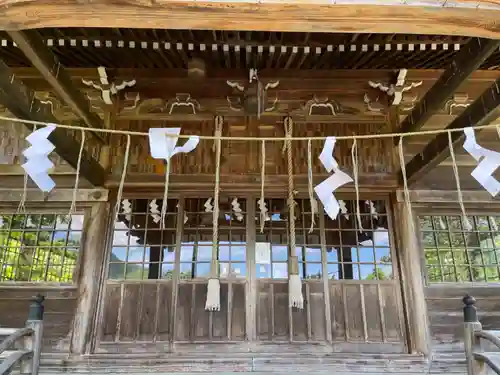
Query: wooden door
[154, 295]
[350, 282]
[155, 289]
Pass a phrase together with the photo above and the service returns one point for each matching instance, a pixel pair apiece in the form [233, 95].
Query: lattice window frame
[68, 278]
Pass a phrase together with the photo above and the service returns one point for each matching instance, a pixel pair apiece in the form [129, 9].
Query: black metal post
[470, 311]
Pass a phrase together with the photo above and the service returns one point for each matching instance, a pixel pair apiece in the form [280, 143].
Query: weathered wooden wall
[60, 307]
[244, 157]
[444, 304]
[443, 300]
[363, 317]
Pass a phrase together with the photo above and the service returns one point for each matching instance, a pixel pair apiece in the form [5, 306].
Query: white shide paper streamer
[325, 190]
[155, 212]
[163, 145]
[488, 162]
[38, 164]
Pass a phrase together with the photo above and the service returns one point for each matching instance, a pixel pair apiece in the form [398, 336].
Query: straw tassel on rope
[21, 207]
[355, 164]
[122, 179]
[295, 298]
[405, 185]
[313, 202]
[465, 220]
[77, 179]
[213, 290]
[262, 203]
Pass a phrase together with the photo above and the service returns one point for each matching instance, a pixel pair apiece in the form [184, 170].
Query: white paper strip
[155, 212]
[38, 164]
[237, 209]
[326, 156]
[127, 209]
[208, 205]
[488, 163]
[326, 189]
[163, 141]
[343, 209]
[262, 253]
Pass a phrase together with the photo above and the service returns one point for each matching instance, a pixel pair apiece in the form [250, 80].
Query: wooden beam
[165, 75]
[465, 63]
[481, 112]
[56, 195]
[21, 102]
[447, 196]
[30, 43]
[462, 17]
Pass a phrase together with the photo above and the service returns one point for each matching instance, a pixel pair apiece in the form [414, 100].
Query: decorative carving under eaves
[458, 100]
[107, 88]
[397, 88]
[326, 107]
[409, 103]
[53, 105]
[252, 98]
[182, 103]
[142, 105]
[374, 106]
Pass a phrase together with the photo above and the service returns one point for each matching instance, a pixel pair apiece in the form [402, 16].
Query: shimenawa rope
[465, 220]
[354, 155]
[295, 298]
[72, 208]
[274, 139]
[262, 179]
[213, 289]
[122, 179]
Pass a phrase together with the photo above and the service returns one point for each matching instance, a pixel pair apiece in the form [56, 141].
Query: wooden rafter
[21, 102]
[481, 112]
[415, 17]
[51, 69]
[466, 62]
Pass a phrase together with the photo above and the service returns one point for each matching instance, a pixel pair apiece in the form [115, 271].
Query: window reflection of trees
[359, 253]
[196, 247]
[140, 249]
[39, 247]
[453, 254]
[351, 253]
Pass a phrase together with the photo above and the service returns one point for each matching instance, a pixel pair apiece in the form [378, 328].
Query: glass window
[39, 247]
[359, 253]
[140, 249]
[352, 253]
[455, 254]
[197, 239]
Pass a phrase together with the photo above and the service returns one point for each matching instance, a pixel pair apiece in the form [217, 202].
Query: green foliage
[29, 251]
[456, 255]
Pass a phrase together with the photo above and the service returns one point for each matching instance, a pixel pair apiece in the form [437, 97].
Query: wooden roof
[151, 48]
[46, 74]
[478, 18]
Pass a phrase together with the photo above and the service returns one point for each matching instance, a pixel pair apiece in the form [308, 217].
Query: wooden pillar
[91, 262]
[252, 293]
[412, 279]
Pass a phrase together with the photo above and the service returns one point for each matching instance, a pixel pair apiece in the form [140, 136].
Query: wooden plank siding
[443, 300]
[60, 305]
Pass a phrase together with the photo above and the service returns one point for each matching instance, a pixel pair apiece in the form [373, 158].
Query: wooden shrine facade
[117, 283]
